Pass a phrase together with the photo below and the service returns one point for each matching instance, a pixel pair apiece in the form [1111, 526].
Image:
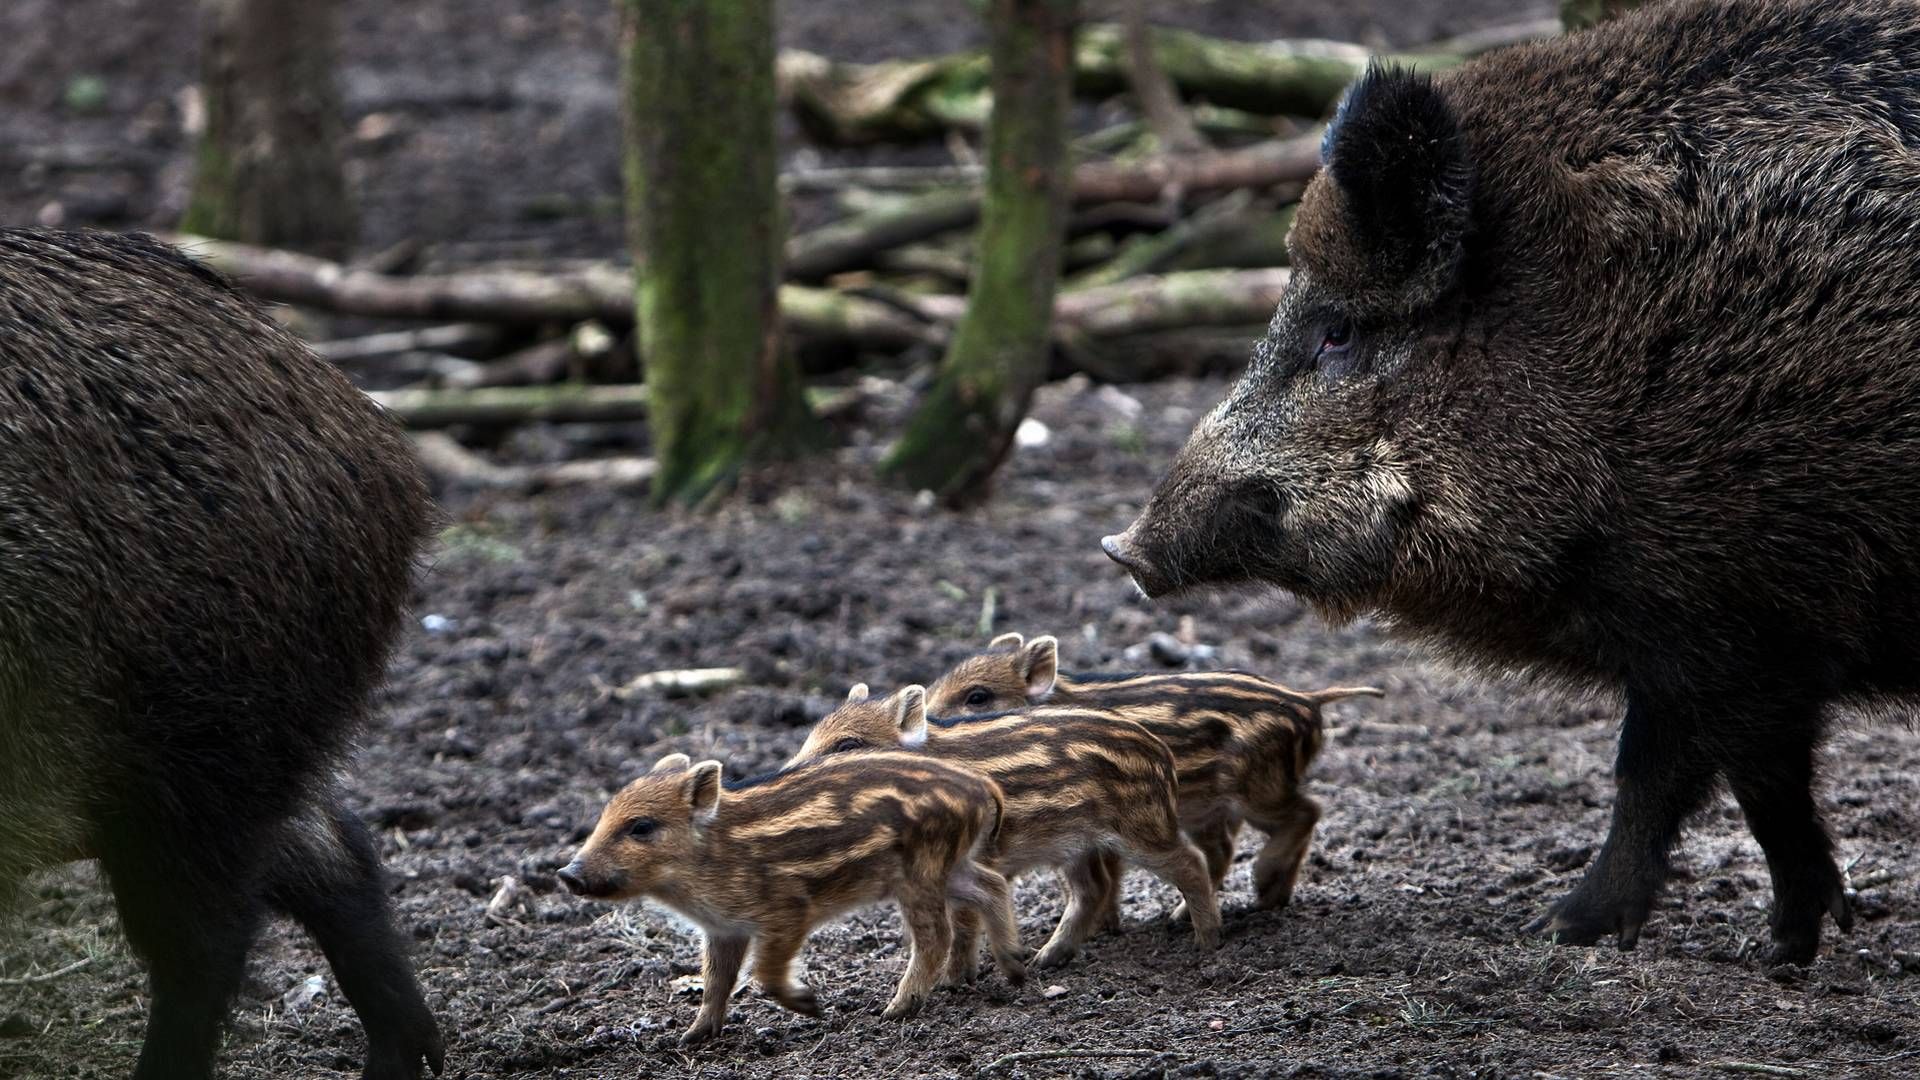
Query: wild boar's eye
[846, 744]
[642, 828]
[979, 695]
[1339, 335]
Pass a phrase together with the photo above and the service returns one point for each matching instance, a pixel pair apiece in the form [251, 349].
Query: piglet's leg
[980, 893]
[719, 970]
[1083, 881]
[963, 959]
[1289, 832]
[1113, 874]
[924, 909]
[1180, 863]
[1215, 841]
[773, 967]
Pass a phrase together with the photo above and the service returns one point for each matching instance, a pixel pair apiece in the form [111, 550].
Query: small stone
[436, 624]
[1054, 991]
[686, 984]
[1169, 650]
[1032, 434]
[297, 999]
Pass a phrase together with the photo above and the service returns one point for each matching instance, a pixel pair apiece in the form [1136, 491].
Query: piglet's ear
[1402, 193]
[910, 710]
[1007, 640]
[672, 763]
[702, 787]
[1040, 666]
[857, 693]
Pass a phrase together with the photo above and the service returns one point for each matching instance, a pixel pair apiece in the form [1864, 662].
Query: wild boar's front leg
[1772, 779]
[720, 964]
[1661, 775]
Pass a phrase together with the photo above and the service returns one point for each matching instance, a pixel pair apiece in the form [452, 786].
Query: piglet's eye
[642, 828]
[846, 744]
[978, 696]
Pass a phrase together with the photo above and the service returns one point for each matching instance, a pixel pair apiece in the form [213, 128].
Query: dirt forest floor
[1456, 809]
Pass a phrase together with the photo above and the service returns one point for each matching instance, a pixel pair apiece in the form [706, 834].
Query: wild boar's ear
[1403, 190]
[672, 763]
[1040, 666]
[703, 789]
[857, 693]
[1008, 640]
[910, 710]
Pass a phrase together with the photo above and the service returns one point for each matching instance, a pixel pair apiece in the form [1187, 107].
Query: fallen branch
[1025, 1056]
[447, 460]
[458, 339]
[567, 403]
[854, 244]
[576, 294]
[848, 103]
[47, 976]
[682, 683]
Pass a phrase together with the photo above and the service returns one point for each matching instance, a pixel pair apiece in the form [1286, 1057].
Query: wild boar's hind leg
[1086, 887]
[1661, 775]
[1215, 841]
[720, 964]
[1289, 832]
[188, 904]
[1773, 782]
[1112, 878]
[328, 878]
[963, 956]
[923, 908]
[980, 893]
[773, 966]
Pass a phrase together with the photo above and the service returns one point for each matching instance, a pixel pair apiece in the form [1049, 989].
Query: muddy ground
[1456, 809]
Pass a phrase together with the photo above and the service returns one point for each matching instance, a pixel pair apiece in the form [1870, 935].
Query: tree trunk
[704, 216]
[267, 170]
[960, 434]
[1580, 14]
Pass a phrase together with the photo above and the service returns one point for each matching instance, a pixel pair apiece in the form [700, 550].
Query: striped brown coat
[766, 860]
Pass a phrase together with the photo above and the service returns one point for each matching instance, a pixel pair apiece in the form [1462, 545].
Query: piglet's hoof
[701, 1031]
[801, 1000]
[903, 1006]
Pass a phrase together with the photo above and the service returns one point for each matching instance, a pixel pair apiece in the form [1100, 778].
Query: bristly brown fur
[766, 861]
[210, 536]
[1653, 435]
[1078, 782]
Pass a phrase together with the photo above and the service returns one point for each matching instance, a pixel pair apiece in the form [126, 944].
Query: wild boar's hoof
[903, 1006]
[701, 1031]
[1053, 956]
[800, 999]
[1797, 915]
[1586, 915]
[401, 1059]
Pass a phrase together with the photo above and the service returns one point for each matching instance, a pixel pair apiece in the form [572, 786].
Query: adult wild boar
[207, 537]
[1601, 361]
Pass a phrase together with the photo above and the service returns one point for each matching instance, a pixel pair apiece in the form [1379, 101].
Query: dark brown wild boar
[1078, 783]
[764, 861]
[1241, 747]
[209, 537]
[1600, 362]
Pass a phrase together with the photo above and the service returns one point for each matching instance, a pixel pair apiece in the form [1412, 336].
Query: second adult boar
[1600, 362]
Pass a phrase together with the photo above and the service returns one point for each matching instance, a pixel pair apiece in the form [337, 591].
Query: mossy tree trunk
[964, 428]
[703, 214]
[1580, 14]
[267, 170]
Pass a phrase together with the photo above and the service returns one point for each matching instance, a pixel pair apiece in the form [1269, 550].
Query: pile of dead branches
[1176, 252]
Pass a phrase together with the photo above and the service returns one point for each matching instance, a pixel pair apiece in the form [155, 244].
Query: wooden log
[576, 294]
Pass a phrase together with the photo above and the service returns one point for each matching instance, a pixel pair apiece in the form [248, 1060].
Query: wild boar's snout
[581, 880]
[1124, 549]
